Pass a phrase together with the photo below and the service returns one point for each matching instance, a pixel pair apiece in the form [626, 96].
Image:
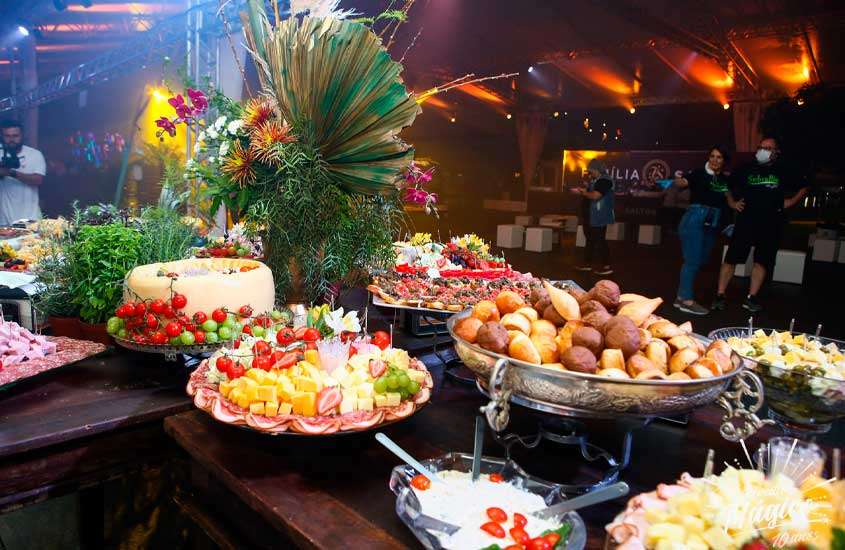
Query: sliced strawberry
[377, 367]
[300, 332]
[328, 398]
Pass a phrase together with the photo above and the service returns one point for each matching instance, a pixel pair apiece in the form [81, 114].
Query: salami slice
[400, 411]
[315, 425]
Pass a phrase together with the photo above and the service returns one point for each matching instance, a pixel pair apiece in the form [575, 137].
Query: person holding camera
[22, 171]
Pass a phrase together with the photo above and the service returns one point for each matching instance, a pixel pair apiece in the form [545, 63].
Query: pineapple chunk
[225, 388]
[305, 403]
[313, 357]
[359, 362]
[235, 394]
[285, 391]
[270, 377]
[365, 403]
[397, 357]
[380, 400]
[267, 393]
[393, 399]
[688, 504]
[716, 538]
[307, 384]
[695, 542]
[271, 408]
[349, 394]
[365, 389]
[665, 531]
[285, 408]
[256, 374]
[692, 524]
[307, 369]
[251, 393]
[257, 408]
[243, 401]
[417, 376]
[247, 382]
[347, 405]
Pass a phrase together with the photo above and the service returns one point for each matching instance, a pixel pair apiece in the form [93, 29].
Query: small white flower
[197, 148]
[201, 136]
[220, 122]
[224, 148]
[234, 126]
[212, 134]
[211, 159]
[190, 165]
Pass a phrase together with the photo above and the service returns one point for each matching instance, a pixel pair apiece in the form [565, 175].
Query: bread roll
[529, 313]
[590, 306]
[682, 359]
[522, 348]
[639, 363]
[645, 338]
[553, 366]
[657, 352]
[678, 376]
[579, 359]
[623, 335]
[721, 359]
[564, 303]
[709, 364]
[612, 359]
[597, 319]
[515, 321]
[541, 305]
[650, 320]
[722, 346]
[564, 335]
[538, 293]
[606, 292]
[682, 342]
[546, 347]
[509, 301]
[639, 311]
[493, 336]
[628, 297]
[686, 327]
[651, 375]
[696, 372]
[543, 327]
[578, 294]
[485, 310]
[665, 329]
[613, 373]
[467, 329]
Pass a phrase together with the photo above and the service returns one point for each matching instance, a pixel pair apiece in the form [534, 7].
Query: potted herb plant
[54, 298]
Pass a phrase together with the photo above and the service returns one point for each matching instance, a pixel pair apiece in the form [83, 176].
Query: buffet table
[334, 492]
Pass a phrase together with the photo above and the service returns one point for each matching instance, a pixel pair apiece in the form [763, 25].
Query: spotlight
[632, 110]
[157, 95]
[453, 119]
[556, 114]
[799, 101]
[23, 31]
[590, 130]
[726, 106]
[565, 113]
[531, 69]
[508, 116]
[652, 43]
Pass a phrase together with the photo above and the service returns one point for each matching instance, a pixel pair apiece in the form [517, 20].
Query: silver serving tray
[576, 394]
[170, 352]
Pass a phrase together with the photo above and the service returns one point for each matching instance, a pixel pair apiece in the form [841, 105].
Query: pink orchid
[198, 101]
[178, 103]
[166, 125]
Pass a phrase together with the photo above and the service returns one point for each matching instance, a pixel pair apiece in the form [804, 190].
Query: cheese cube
[312, 356]
[365, 403]
[665, 531]
[257, 408]
[380, 400]
[307, 369]
[271, 408]
[234, 395]
[284, 391]
[393, 399]
[243, 402]
[225, 388]
[349, 394]
[694, 542]
[359, 362]
[715, 537]
[267, 393]
[251, 393]
[347, 405]
[417, 376]
[255, 374]
[692, 524]
[285, 408]
[305, 403]
[365, 389]
[307, 384]
[246, 382]
[269, 378]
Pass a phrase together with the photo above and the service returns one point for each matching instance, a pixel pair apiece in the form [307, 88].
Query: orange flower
[240, 164]
[265, 139]
[257, 112]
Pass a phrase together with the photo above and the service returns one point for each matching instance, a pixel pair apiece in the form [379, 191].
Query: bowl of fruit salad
[803, 375]
[493, 512]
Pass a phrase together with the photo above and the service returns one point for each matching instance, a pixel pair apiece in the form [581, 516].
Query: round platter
[168, 350]
[585, 395]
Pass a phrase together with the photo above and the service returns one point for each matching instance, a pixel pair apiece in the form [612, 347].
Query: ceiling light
[726, 106]
[531, 69]
[800, 101]
[453, 119]
[23, 31]
[508, 116]
[632, 110]
[556, 114]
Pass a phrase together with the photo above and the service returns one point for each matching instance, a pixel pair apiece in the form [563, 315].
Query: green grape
[258, 331]
[403, 380]
[211, 338]
[403, 393]
[176, 341]
[380, 385]
[413, 387]
[392, 382]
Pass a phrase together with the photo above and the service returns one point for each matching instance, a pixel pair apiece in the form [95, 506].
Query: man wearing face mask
[760, 193]
[22, 171]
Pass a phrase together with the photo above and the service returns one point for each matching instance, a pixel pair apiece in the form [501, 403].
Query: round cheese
[207, 283]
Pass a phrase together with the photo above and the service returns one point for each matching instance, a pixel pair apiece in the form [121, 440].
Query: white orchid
[220, 122]
[339, 322]
[224, 148]
[320, 8]
[234, 126]
[212, 133]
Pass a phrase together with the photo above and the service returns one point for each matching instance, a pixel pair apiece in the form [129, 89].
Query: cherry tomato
[311, 335]
[179, 301]
[381, 339]
[130, 309]
[236, 371]
[218, 315]
[494, 529]
[420, 482]
[285, 336]
[139, 338]
[121, 312]
[496, 478]
[200, 318]
[190, 327]
[497, 514]
[263, 362]
[538, 543]
[173, 329]
[245, 311]
[519, 520]
[140, 309]
[519, 535]
[199, 337]
[168, 311]
[223, 364]
[152, 322]
[182, 319]
[159, 338]
[247, 329]
[157, 306]
[262, 347]
[264, 321]
[552, 538]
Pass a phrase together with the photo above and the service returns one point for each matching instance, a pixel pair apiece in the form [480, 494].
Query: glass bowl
[408, 507]
[801, 403]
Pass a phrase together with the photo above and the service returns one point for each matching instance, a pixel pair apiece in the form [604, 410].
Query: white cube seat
[538, 239]
[509, 236]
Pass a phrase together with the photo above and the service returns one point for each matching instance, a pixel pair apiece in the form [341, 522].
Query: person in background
[760, 192]
[676, 200]
[596, 215]
[699, 227]
[22, 171]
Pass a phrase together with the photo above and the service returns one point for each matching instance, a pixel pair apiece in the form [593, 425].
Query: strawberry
[328, 398]
[377, 367]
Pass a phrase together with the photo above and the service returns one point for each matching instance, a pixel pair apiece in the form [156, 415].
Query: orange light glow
[703, 70]
[74, 47]
[81, 27]
[434, 101]
[577, 161]
[792, 73]
[486, 95]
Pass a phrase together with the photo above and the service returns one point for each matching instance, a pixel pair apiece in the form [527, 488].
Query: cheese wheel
[206, 283]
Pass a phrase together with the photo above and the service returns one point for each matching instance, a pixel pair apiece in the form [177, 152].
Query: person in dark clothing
[700, 225]
[596, 215]
[760, 192]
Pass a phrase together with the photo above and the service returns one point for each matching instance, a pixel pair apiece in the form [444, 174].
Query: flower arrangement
[420, 239]
[413, 181]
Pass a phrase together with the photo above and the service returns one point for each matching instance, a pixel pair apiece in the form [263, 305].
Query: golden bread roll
[682, 359]
[515, 321]
[579, 359]
[686, 327]
[509, 301]
[720, 345]
[664, 329]
[653, 374]
[553, 366]
[645, 338]
[529, 313]
[563, 302]
[485, 310]
[564, 335]
[522, 348]
[650, 320]
[547, 348]
[546, 328]
[696, 371]
[639, 363]
[629, 297]
[723, 360]
[658, 353]
[613, 373]
[612, 359]
[678, 376]
[467, 329]
[709, 364]
[512, 334]
[639, 311]
[682, 342]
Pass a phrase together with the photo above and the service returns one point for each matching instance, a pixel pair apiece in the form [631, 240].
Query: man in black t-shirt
[760, 192]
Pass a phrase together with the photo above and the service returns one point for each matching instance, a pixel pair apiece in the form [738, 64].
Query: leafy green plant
[164, 237]
[98, 259]
[53, 273]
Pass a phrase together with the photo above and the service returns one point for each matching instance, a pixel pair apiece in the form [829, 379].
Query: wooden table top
[104, 393]
[333, 492]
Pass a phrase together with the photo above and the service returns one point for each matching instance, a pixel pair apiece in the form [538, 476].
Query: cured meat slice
[400, 411]
[227, 412]
[262, 422]
[315, 425]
